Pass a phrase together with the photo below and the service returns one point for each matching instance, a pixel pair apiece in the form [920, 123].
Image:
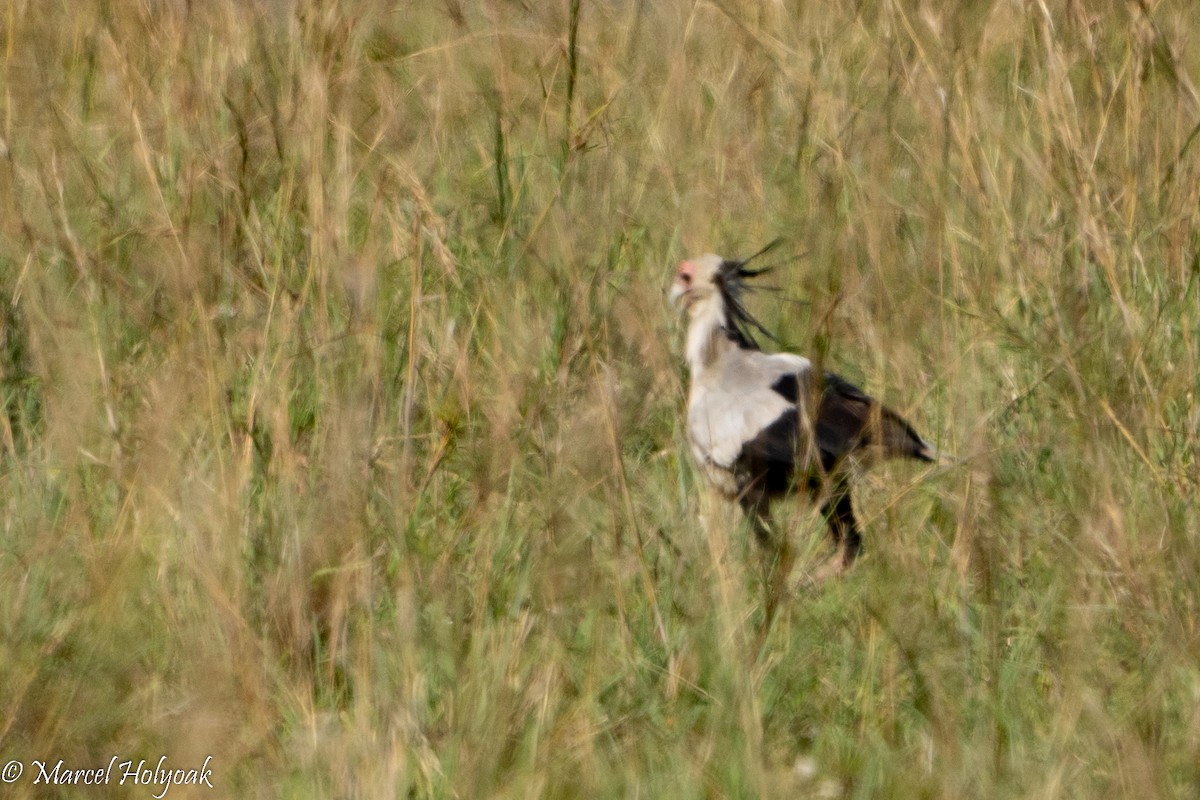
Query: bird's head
[696, 280]
[721, 280]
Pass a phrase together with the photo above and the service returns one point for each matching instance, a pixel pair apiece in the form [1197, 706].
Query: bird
[763, 426]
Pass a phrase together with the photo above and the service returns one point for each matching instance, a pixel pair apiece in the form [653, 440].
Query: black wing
[849, 420]
[770, 457]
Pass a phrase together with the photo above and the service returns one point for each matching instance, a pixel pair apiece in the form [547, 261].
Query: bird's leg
[839, 513]
[777, 581]
[778, 553]
[757, 510]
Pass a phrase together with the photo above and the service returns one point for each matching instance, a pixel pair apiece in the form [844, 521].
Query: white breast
[732, 401]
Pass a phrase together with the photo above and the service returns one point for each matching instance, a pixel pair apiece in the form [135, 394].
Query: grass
[342, 437]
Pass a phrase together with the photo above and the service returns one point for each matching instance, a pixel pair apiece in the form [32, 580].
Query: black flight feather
[849, 419]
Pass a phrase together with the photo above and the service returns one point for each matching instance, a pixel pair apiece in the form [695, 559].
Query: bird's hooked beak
[681, 289]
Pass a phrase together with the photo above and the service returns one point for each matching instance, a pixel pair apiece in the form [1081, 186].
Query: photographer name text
[158, 777]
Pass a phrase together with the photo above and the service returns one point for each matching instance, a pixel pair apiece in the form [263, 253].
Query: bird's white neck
[705, 336]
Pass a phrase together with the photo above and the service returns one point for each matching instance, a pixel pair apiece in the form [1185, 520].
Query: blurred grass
[342, 434]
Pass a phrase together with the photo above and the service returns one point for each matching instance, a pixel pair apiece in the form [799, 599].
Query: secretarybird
[763, 425]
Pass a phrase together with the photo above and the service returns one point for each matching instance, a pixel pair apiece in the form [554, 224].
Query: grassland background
[342, 435]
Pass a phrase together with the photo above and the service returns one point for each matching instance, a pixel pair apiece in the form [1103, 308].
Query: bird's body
[763, 425]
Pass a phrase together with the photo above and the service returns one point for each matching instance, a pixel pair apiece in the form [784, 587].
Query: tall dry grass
[342, 433]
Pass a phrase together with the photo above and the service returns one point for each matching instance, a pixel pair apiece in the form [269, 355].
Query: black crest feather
[731, 277]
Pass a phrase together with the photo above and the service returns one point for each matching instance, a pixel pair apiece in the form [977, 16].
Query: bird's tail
[899, 440]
